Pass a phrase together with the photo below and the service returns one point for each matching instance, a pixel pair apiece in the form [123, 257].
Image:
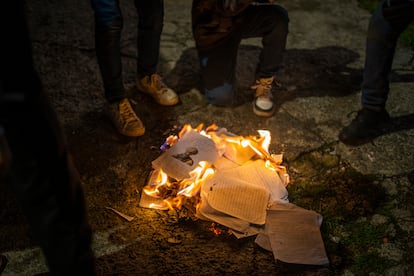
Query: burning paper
[234, 181]
[215, 155]
[186, 155]
[229, 195]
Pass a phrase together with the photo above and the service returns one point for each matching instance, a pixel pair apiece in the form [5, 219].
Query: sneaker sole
[263, 113]
[133, 134]
[174, 102]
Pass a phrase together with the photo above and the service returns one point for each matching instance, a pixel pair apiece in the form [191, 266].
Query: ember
[217, 230]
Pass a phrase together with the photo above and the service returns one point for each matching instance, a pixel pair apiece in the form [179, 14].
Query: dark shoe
[263, 101]
[125, 120]
[367, 125]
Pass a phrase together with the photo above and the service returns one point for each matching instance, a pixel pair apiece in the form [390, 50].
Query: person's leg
[385, 27]
[218, 63]
[108, 28]
[49, 190]
[150, 24]
[44, 180]
[218, 75]
[271, 23]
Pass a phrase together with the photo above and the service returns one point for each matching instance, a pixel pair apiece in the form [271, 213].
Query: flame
[260, 146]
[198, 176]
[175, 194]
[153, 189]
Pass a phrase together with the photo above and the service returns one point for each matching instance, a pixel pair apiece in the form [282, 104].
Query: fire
[199, 176]
[234, 181]
[217, 231]
[174, 194]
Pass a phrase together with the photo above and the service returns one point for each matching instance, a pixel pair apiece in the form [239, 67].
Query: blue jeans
[108, 28]
[385, 27]
[219, 63]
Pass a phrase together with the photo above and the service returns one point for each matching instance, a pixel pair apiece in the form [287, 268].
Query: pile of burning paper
[234, 181]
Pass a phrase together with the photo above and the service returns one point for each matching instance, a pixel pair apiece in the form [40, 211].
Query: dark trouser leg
[108, 27]
[150, 24]
[385, 26]
[44, 180]
[272, 24]
[218, 72]
[218, 64]
[48, 189]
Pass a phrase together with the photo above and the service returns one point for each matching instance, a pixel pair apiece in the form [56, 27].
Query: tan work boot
[125, 120]
[263, 101]
[154, 86]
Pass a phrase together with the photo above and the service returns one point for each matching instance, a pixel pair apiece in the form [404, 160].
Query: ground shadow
[395, 124]
[398, 124]
[316, 72]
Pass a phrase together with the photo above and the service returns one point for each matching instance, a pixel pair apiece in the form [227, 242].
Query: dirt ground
[320, 82]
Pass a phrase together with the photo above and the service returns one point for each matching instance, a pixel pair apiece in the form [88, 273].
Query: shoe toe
[260, 110]
[168, 97]
[264, 104]
[134, 132]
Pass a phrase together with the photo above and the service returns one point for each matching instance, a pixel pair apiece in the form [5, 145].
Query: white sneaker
[263, 101]
[154, 86]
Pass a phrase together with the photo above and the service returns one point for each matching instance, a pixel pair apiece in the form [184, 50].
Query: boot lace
[126, 112]
[158, 83]
[263, 87]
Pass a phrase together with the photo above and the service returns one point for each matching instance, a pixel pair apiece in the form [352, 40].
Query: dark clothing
[108, 28]
[213, 21]
[218, 34]
[385, 27]
[41, 174]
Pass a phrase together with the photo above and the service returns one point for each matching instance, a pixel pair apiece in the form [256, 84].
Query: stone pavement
[319, 96]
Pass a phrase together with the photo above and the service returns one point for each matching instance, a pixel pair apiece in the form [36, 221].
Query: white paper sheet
[293, 234]
[185, 155]
[257, 174]
[236, 197]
